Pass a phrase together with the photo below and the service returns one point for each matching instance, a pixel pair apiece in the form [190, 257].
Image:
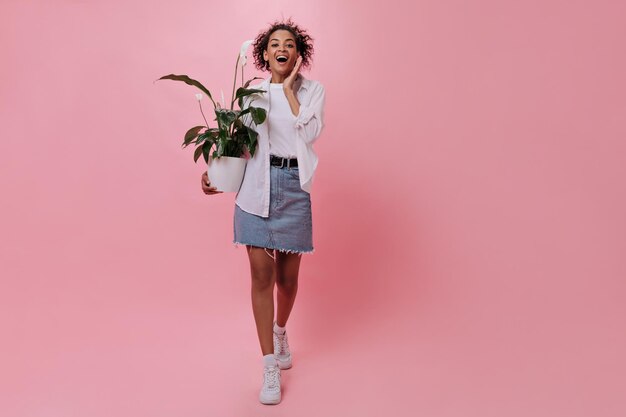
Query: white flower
[242, 53]
[199, 96]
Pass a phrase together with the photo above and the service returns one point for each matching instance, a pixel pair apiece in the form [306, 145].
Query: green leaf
[191, 134]
[241, 134]
[202, 138]
[197, 153]
[205, 151]
[243, 113]
[243, 92]
[258, 114]
[210, 133]
[225, 118]
[253, 141]
[189, 81]
[250, 80]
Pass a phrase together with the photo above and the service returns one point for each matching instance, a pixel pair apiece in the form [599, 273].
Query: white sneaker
[281, 350]
[270, 392]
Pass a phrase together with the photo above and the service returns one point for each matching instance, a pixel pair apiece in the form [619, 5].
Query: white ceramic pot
[226, 173]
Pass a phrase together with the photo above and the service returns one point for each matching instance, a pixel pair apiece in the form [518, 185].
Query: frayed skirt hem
[235, 243]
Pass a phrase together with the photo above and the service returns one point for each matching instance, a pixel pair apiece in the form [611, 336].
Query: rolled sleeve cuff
[305, 115]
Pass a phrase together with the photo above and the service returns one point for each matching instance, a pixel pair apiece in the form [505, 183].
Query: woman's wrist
[293, 101]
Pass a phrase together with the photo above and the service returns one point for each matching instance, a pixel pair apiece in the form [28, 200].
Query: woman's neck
[279, 79]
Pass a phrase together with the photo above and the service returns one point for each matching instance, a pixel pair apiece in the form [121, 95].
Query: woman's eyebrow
[279, 40]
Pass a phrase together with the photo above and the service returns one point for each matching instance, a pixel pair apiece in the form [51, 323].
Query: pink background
[468, 212]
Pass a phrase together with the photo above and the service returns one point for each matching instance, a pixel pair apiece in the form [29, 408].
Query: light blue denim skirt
[289, 227]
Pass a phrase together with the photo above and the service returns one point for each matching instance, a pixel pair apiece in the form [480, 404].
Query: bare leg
[262, 272]
[287, 268]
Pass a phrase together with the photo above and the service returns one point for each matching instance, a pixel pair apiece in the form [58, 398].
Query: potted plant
[223, 147]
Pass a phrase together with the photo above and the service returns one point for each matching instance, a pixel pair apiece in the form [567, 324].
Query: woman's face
[282, 43]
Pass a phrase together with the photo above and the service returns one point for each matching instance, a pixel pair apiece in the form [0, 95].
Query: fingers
[206, 186]
[297, 66]
[210, 190]
[213, 192]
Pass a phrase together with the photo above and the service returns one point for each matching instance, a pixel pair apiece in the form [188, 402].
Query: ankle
[278, 329]
[269, 360]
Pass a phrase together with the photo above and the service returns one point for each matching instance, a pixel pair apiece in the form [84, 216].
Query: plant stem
[207, 123]
[234, 84]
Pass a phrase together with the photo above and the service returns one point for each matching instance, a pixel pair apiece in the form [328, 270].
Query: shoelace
[271, 376]
[283, 344]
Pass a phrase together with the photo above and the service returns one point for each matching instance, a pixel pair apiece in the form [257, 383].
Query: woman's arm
[310, 118]
[288, 84]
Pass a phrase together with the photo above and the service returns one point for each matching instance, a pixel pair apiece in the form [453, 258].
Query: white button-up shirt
[254, 194]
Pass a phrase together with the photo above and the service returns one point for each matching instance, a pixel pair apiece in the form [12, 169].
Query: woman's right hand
[206, 185]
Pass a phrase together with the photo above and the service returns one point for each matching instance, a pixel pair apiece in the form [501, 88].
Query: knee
[262, 279]
[287, 285]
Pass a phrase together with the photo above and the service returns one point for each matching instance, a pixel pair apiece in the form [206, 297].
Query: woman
[273, 206]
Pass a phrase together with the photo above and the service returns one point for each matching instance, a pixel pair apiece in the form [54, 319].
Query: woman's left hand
[288, 82]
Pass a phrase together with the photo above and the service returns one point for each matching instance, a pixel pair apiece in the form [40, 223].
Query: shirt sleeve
[310, 121]
[247, 118]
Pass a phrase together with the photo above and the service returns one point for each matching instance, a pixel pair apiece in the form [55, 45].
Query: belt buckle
[273, 160]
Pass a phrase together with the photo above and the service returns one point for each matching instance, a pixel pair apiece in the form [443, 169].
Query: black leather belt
[283, 162]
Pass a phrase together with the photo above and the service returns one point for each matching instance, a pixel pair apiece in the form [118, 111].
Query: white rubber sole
[269, 400]
[284, 363]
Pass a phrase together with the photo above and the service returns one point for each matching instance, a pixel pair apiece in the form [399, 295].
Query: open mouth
[281, 59]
